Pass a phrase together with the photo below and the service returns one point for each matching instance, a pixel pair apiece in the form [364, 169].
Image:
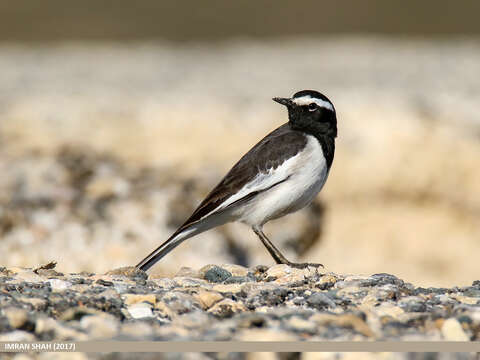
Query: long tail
[188, 230]
[171, 243]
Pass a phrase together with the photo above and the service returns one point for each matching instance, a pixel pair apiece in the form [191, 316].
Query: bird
[281, 174]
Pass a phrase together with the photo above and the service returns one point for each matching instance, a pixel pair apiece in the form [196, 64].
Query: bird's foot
[304, 265]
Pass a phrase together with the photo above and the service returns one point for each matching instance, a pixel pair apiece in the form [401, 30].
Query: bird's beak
[283, 101]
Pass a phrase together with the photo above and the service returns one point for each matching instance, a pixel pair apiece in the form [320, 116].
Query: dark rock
[237, 280]
[472, 292]
[131, 272]
[79, 281]
[320, 301]
[414, 307]
[104, 282]
[384, 279]
[465, 319]
[216, 274]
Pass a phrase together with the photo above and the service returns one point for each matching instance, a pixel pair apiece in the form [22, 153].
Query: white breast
[306, 172]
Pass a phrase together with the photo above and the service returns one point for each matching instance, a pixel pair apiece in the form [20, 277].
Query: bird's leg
[276, 254]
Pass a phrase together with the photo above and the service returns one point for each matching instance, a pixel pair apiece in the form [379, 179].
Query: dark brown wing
[270, 152]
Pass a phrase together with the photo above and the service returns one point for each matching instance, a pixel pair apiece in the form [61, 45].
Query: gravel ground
[231, 302]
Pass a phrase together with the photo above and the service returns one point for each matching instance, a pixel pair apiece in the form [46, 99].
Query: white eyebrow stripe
[307, 99]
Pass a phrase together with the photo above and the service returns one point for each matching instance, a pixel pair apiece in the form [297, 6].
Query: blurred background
[117, 118]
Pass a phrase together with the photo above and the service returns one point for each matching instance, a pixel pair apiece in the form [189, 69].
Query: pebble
[320, 301]
[388, 309]
[295, 278]
[208, 298]
[279, 270]
[130, 299]
[216, 274]
[453, 331]
[59, 285]
[129, 271]
[344, 320]
[140, 310]
[298, 324]
[228, 288]
[17, 317]
[226, 308]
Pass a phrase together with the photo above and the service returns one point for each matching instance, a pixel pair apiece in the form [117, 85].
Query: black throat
[324, 132]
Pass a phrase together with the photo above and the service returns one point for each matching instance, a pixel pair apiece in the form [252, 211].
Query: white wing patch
[261, 182]
[307, 99]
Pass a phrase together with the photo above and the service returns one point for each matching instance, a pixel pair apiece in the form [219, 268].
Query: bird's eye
[312, 107]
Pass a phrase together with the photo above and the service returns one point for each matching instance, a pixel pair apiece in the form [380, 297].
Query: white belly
[307, 173]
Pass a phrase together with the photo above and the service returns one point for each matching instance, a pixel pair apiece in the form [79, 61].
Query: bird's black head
[312, 112]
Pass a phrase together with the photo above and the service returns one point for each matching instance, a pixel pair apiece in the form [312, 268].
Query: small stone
[320, 301]
[103, 326]
[467, 300]
[298, 324]
[164, 310]
[164, 283]
[192, 320]
[344, 320]
[129, 271]
[67, 333]
[130, 299]
[296, 277]
[36, 303]
[140, 311]
[180, 302]
[415, 307]
[208, 298]
[216, 274]
[278, 270]
[238, 280]
[326, 282]
[472, 293]
[235, 270]
[188, 282]
[104, 282]
[59, 285]
[452, 331]
[228, 288]
[77, 313]
[17, 317]
[388, 309]
[226, 308]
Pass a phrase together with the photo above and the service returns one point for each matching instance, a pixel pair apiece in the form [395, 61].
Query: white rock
[140, 310]
[278, 270]
[453, 331]
[58, 285]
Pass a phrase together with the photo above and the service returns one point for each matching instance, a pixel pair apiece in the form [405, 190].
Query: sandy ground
[402, 196]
